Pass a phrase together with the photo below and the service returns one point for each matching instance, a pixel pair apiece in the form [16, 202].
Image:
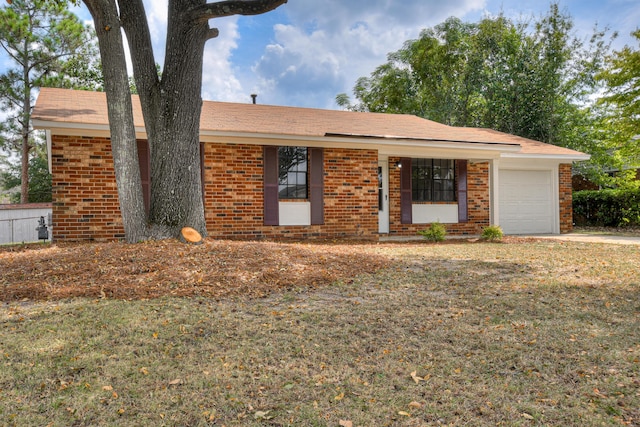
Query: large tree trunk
[123, 136]
[171, 108]
[175, 157]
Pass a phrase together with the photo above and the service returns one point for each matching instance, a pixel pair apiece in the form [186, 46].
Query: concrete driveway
[593, 238]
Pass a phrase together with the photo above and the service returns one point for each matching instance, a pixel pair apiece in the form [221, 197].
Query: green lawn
[478, 334]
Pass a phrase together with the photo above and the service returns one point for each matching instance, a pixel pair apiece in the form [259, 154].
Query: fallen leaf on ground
[416, 378]
[261, 415]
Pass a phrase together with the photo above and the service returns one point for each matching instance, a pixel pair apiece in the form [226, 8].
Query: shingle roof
[84, 108]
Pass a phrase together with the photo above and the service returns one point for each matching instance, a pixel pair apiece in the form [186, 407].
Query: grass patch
[542, 333]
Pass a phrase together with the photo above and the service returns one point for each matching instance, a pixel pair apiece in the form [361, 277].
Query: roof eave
[70, 128]
[367, 141]
[578, 157]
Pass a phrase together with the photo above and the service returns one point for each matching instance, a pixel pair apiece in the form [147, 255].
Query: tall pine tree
[46, 45]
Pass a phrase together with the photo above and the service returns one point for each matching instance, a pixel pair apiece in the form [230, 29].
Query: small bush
[492, 233]
[435, 233]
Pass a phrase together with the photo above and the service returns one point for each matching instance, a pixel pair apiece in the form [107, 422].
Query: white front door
[383, 197]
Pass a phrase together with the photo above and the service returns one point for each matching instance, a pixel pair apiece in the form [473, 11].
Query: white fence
[18, 223]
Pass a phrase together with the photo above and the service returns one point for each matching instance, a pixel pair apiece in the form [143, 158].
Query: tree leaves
[532, 80]
[47, 45]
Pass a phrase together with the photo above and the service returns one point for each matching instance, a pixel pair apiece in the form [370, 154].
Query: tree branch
[213, 33]
[134, 22]
[234, 7]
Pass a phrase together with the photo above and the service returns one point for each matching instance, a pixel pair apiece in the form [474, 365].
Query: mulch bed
[148, 270]
[215, 269]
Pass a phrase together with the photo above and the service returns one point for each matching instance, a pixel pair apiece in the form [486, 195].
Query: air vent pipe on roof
[254, 96]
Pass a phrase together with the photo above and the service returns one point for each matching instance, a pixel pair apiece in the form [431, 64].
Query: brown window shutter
[316, 185]
[405, 191]
[144, 160]
[463, 205]
[270, 155]
[202, 169]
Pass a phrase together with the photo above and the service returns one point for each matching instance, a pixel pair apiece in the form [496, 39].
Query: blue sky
[308, 51]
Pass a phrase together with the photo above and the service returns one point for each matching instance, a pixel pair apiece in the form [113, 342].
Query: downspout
[47, 134]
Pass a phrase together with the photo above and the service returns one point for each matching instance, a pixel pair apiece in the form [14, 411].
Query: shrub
[435, 232]
[609, 208]
[492, 233]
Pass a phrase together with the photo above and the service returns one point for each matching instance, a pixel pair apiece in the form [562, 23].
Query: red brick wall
[86, 200]
[566, 198]
[234, 194]
[85, 197]
[477, 196]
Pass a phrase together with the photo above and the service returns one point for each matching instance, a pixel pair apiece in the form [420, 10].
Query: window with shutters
[293, 173]
[433, 180]
[294, 176]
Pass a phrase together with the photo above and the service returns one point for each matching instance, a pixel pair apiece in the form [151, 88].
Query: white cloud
[157, 18]
[320, 48]
[219, 81]
[328, 45]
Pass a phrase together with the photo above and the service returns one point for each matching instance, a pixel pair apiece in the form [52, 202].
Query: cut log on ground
[190, 235]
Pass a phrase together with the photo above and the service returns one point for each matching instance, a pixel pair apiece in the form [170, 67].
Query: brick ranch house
[283, 172]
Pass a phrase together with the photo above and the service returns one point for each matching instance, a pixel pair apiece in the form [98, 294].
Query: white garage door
[526, 202]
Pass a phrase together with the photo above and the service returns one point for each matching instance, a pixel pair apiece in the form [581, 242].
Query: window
[292, 173]
[433, 180]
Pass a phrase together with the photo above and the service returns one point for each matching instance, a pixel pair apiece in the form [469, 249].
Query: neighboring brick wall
[234, 194]
[477, 199]
[566, 198]
[85, 197]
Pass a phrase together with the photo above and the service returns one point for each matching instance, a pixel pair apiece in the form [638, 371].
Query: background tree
[47, 46]
[171, 106]
[620, 115]
[39, 177]
[532, 80]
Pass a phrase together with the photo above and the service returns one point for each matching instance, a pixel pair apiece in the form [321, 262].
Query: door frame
[383, 193]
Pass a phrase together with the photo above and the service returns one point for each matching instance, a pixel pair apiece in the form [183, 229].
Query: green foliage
[45, 45]
[534, 80]
[619, 115]
[492, 233]
[435, 233]
[39, 179]
[609, 208]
